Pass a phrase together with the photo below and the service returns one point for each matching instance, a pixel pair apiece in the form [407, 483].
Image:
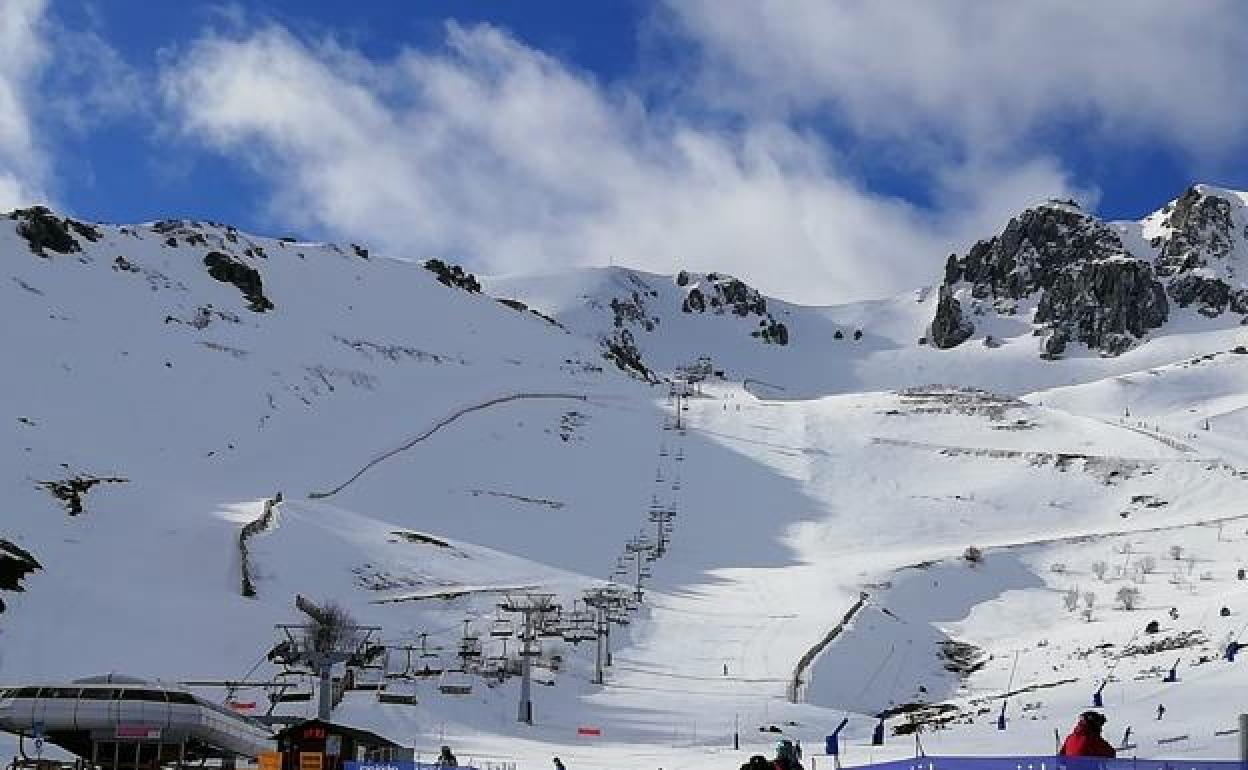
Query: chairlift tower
[331, 638]
[532, 606]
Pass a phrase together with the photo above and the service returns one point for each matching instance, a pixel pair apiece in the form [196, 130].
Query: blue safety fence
[399, 765]
[1055, 763]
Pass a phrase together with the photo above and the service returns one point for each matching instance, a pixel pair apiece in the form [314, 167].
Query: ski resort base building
[125, 723]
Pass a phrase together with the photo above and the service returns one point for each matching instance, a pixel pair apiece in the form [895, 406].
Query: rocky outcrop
[1212, 296]
[621, 349]
[1202, 232]
[15, 564]
[73, 490]
[1198, 253]
[722, 295]
[1106, 305]
[246, 278]
[45, 232]
[949, 328]
[1087, 287]
[453, 276]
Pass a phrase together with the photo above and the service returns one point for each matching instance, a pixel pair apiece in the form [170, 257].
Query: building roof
[355, 733]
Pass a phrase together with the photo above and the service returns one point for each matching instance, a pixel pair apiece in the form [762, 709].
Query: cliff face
[1082, 283]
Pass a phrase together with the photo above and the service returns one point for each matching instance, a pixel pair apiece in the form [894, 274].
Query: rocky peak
[1086, 286]
[1200, 250]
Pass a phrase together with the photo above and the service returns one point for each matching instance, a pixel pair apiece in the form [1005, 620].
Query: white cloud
[491, 151]
[983, 76]
[23, 170]
[89, 83]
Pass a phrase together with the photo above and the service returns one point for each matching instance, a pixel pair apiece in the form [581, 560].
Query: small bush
[1128, 597]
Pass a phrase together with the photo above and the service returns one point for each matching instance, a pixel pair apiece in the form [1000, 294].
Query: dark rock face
[1105, 305]
[1203, 232]
[621, 349]
[1032, 251]
[45, 232]
[720, 294]
[246, 278]
[15, 564]
[1090, 289]
[72, 491]
[723, 294]
[1213, 295]
[453, 276]
[949, 328]
[1203, 238]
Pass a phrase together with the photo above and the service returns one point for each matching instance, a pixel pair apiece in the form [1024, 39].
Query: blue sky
[825, 150]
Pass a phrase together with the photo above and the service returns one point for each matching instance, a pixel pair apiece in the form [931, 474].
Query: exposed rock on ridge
[1087, 286]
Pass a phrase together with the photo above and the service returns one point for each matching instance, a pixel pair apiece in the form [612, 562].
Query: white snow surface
[811, 473]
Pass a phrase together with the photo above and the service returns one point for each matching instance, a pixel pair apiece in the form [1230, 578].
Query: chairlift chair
[502, 628]
[291, 697]
[426, 671]
[455, 683]
[398, 699]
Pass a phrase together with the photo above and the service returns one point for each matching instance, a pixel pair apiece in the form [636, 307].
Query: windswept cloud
[39, 102]
[491, 150]
[23, 169]
[982, 77]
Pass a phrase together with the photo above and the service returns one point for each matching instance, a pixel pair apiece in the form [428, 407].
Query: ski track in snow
[438, 426]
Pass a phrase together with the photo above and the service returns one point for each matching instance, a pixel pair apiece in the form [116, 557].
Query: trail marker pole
[1243, 740]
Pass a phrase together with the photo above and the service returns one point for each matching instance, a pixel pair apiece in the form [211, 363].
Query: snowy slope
[435, 448]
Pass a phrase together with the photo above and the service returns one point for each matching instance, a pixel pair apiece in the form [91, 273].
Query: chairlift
[394, 698]
[426, 671]
[502, 628]
[291, 697]
[455, 683]
[662, 450]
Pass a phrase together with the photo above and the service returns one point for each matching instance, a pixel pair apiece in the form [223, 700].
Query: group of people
[447, 758]
[788, 757]
[1084, 741]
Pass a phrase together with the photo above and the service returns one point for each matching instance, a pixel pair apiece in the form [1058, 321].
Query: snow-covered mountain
[439, 439]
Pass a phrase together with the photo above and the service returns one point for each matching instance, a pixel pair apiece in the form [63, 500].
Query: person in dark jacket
[446, 758]
[786, 756]
[1085, 740]
[559, 764]
[757, 762]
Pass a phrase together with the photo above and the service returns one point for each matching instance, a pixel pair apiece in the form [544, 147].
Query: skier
[1085, 740]
[786, 756]
[559, 764]
[1161, 711]
[757, 762]
[446, 758]
[725, 669]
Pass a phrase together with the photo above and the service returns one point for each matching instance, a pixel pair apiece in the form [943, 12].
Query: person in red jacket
[1085, 740]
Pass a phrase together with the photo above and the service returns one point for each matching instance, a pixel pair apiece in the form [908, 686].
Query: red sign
[138, 731]
[241, 706]
[589, 731]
